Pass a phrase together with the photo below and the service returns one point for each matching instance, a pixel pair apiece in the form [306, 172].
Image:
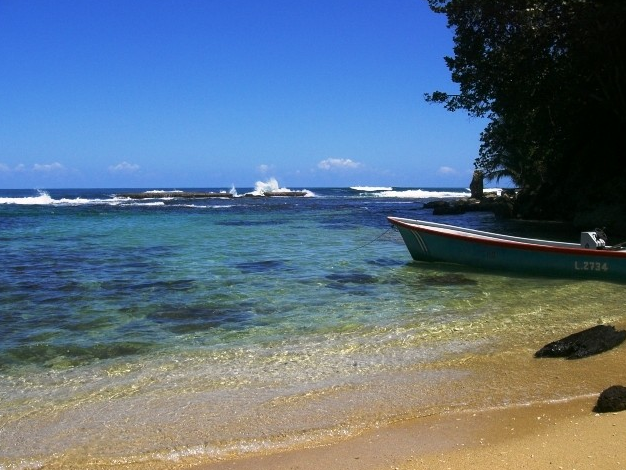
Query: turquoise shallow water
[175, 331]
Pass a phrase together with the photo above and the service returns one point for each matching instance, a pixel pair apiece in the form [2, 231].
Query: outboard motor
[595, 240]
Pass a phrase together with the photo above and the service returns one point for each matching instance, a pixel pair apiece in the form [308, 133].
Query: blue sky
[211, 93]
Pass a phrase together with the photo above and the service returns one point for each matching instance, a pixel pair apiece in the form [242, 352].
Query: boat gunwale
[503, 241]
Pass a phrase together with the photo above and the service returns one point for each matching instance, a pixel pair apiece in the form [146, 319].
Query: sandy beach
[544, 434]
[563, 435]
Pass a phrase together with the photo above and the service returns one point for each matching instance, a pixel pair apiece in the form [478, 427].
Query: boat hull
[428, 241]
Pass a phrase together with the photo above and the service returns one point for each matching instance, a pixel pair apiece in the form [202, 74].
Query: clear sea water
[165, 332]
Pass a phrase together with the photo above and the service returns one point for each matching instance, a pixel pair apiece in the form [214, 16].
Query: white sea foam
[421, 194]
[271, 186]
[198, 206]
[498, 191]
[43, 198]
[161, 191]
[154, 203]
[381, 191]
[371, 188]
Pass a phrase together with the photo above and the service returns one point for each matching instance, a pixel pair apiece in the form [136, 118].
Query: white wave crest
[269, 186]
[371, 188]
[163, 191]
[43, 198]
[422, 194]
[261, 188]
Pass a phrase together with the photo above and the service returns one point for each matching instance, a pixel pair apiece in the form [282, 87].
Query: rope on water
[374, 240]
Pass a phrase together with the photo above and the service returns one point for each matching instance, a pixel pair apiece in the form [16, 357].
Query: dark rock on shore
[611, 400]
[501, 206]
[585, 343]
[446, 208]
[545, 203]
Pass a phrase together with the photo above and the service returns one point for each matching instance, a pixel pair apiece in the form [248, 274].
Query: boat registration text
[590, 266]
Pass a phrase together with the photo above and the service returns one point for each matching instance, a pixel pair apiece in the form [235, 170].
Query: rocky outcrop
[175, 195]
[611, 400]
[501, 206]
[448, 208]
[476, 186]
[585, 343]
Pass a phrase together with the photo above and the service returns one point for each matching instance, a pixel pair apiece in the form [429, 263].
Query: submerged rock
[611, 400]
[448, 280]
[585, 343]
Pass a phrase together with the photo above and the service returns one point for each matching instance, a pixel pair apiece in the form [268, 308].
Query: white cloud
[37, 170]
[48, 167]
[332, 163]
[447, 171]
[4, 168]
[263, 169]
[124, 167]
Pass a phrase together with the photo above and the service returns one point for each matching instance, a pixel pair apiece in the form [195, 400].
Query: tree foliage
[549, 75]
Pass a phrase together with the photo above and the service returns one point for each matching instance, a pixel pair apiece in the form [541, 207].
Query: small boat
[591, 259]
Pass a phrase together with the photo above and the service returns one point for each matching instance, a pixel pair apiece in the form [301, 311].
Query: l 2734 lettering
[590, 266]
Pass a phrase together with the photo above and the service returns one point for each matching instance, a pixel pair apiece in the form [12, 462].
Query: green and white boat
[591, 259]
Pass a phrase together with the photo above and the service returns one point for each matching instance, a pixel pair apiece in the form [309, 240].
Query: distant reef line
[205, 195]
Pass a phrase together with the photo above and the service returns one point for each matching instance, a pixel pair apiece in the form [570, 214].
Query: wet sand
[562, 435]
[543, 433]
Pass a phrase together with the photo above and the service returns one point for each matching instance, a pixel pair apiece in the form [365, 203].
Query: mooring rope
[393, 227]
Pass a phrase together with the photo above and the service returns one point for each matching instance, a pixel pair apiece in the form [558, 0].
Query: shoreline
[563, 434]
[529, 413]
[552, 430]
